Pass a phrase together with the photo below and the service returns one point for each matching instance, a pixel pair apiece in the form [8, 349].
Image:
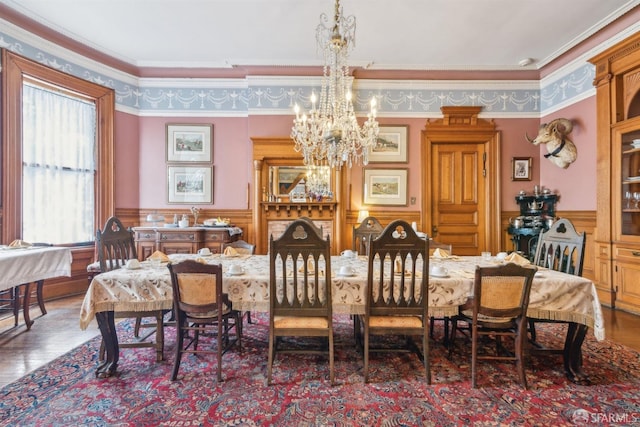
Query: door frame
[461, 125]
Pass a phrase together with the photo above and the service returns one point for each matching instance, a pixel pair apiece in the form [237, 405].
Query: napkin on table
[159, 255]
[517, 258]
[229, 251]
[440, 253]
[19, 244]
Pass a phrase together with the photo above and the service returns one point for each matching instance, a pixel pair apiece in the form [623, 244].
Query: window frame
[15, 70]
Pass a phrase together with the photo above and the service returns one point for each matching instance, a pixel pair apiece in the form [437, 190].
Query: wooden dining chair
[433, 245]
[498, 308]
[397, 294]
[300, 293]
[115, 245]
[241, 247]
[202, 309]
[561, 248]
[317, 229]
[369, 228]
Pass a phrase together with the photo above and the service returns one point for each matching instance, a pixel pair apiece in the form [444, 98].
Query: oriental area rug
[66, 392]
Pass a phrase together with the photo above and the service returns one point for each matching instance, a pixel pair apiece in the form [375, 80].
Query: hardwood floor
[53, 335]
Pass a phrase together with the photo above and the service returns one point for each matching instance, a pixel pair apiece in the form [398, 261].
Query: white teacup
[204, 251]
[345, 270]
[438, 270]
[500, 256]
[236, 269]
[133, 263]
[348, 253]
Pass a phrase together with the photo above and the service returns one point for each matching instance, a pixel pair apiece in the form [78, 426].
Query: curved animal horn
[527, 137]
[563, 126]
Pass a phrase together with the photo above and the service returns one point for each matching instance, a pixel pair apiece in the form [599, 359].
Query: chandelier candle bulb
[330, 134]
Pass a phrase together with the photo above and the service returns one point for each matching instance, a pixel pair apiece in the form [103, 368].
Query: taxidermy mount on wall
[560, 149]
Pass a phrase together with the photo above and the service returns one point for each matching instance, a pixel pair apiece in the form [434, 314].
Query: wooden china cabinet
[617, 235]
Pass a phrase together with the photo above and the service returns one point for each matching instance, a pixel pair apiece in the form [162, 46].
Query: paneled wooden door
[460, 181]
[458, 202]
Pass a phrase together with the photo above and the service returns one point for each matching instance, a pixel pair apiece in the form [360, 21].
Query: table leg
[14, 294]
[39, 293]
[26, 300]
[107, 327]
[572, 353]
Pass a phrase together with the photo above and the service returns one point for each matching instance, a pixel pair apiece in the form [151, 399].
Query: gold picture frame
[386, 187]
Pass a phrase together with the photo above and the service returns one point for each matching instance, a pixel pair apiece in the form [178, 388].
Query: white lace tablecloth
[31, 264]
[554, 295]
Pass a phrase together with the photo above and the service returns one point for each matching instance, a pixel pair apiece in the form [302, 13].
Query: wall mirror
[300, 180]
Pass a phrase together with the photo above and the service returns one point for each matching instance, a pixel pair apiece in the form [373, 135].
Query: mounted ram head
[560, 149]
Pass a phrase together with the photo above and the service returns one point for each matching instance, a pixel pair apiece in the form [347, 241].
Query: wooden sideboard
[181, 240]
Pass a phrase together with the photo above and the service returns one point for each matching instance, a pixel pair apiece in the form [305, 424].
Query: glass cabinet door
[629, 178]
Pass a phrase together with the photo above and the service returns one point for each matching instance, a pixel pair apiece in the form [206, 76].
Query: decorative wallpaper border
[277, 95]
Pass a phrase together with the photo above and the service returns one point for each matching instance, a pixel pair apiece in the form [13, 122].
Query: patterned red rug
[66, 392]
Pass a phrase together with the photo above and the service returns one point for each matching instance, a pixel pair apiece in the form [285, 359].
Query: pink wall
[141, 168]
[514, 144]
[127, 154]
[232, 170]
[576, 185]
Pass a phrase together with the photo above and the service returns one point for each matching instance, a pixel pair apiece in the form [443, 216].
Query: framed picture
[521, 169]
[391, 146]
[385, 187]
[189, 143]
[192, 184]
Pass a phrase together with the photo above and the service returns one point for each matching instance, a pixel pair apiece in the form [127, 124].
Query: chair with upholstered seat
[369, 228]
[560, 248]
[498, 308]
[300, 293]
[240, 246]
[115, 245]
[397, 294]
[317, 229]
[433, 245]
[202, 309]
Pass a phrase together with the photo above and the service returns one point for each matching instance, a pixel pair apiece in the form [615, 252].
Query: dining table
[554, 295]
[22, 266]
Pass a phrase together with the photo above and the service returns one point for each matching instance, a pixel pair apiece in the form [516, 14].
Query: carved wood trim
[279, 151]
[15, 70]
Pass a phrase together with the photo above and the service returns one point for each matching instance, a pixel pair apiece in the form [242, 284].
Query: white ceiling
[390, 34]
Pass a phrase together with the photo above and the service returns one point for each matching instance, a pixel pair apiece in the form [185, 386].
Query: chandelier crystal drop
[329, 134]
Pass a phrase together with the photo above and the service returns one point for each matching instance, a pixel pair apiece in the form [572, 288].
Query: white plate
[439, 275]
[346, 274]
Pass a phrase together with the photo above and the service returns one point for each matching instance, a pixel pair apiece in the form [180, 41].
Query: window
[58, 166]
[58, 177]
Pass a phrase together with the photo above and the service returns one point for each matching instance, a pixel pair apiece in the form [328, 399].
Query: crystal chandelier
[318, 180]
[329, 133]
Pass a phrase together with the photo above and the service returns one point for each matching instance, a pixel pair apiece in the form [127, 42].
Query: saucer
[236, 273]
[347, 274]
[439, 275]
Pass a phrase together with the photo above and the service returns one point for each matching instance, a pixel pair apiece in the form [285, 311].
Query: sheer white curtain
[58, 154]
